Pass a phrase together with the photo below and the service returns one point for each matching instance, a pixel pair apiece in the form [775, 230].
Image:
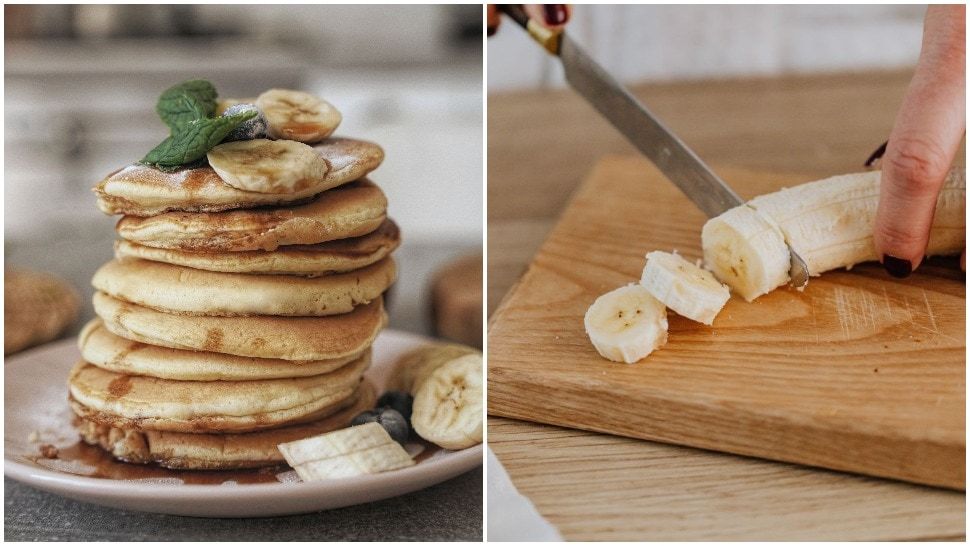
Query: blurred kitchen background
[663, 43]
[81, 83]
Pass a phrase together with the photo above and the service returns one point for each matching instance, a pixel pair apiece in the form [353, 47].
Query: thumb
[923, 142]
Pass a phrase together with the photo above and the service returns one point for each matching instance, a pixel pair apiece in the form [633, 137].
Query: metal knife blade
[674, 159]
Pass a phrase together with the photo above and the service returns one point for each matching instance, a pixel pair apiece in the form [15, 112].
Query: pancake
[183, 290]
[287, 338]
[103, 349]
[351, 210]
[140, 190]
[217, 451]
[306, 260]
[148, 403]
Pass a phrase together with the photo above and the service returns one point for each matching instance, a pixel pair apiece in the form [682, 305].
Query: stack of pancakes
[232, 321]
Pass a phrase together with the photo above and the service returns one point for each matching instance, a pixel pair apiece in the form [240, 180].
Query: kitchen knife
[674, 159]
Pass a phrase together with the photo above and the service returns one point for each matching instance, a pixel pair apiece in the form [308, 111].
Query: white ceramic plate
[36, 401]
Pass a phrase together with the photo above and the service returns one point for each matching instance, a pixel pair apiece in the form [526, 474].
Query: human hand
[553, 16]
[924, 140]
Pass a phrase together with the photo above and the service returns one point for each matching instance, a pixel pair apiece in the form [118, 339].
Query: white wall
[641, 43]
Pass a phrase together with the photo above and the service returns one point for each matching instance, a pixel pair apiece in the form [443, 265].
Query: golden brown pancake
[178, 289]
[327, 258]
[287, 338]
[140, 190]
[149, 403]
[207, 451]
[351, 210]
[105, 350]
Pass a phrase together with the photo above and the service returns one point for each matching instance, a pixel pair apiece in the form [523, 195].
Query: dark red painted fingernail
[897, 267]
[491, 30]
[555, 14]
[875, 156]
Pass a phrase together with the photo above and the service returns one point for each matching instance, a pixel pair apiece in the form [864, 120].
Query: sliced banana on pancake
[150, 403]
[267, 166]
[287, 338]
[327, 258]
[183, 290]
[295, 115]
[214, 451]
[114, 353]
[140, 190]
[348, 211]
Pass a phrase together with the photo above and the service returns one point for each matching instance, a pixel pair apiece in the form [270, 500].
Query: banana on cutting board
[446, 382]
[829, 223]
[344, 453]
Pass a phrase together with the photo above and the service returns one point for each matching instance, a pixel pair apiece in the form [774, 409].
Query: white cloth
[511, 516]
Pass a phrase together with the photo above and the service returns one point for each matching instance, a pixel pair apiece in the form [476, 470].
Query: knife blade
[644, 130]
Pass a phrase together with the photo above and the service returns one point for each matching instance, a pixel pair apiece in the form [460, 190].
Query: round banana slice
[448, 406]
[627, 324]
[682, 286]
[295, 115]
[268, 166]
[747, 251]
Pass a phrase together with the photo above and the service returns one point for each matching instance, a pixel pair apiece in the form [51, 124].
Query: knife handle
[549, 39]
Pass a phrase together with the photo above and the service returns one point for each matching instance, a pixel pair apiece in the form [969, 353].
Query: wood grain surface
[541, 146]
[599, 487]
[859, 372]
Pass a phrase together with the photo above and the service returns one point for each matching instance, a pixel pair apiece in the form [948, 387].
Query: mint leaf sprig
[186, 109]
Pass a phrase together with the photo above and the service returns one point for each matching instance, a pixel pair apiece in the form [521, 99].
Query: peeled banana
[627, 324]
[295, 115]
[448, 406]
[353, 451]
[267, 166]
[690, 291]
[829, 223]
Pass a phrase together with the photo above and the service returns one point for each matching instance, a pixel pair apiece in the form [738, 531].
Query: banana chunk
[448, 406]
[829, 223]
[627, 324]
[295, 115]
[353, 451]
[690, 291]
[267, 166]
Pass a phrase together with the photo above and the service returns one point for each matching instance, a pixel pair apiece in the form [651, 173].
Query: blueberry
[397, 400]
[392, 421]
[250, 129]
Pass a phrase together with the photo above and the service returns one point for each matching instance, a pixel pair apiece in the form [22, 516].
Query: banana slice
[448, 406]
[746, 251]
[354, 451]
[267, 166]
[627, 324]
[295, 115]
[412, 369]
[682, 286]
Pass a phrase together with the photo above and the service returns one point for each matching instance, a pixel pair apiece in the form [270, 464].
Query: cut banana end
[354, 451]
[746, 251]
[268, 166]
[448, 407]
[626, 324]
[295, 115]
[682, 286]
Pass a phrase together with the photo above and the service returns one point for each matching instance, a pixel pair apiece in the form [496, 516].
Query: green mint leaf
[190, 141]
[185, 102]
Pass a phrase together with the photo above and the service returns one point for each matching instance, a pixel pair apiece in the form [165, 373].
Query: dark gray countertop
[449, 511]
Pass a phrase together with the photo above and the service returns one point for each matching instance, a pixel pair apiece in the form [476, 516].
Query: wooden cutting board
[860, 372]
